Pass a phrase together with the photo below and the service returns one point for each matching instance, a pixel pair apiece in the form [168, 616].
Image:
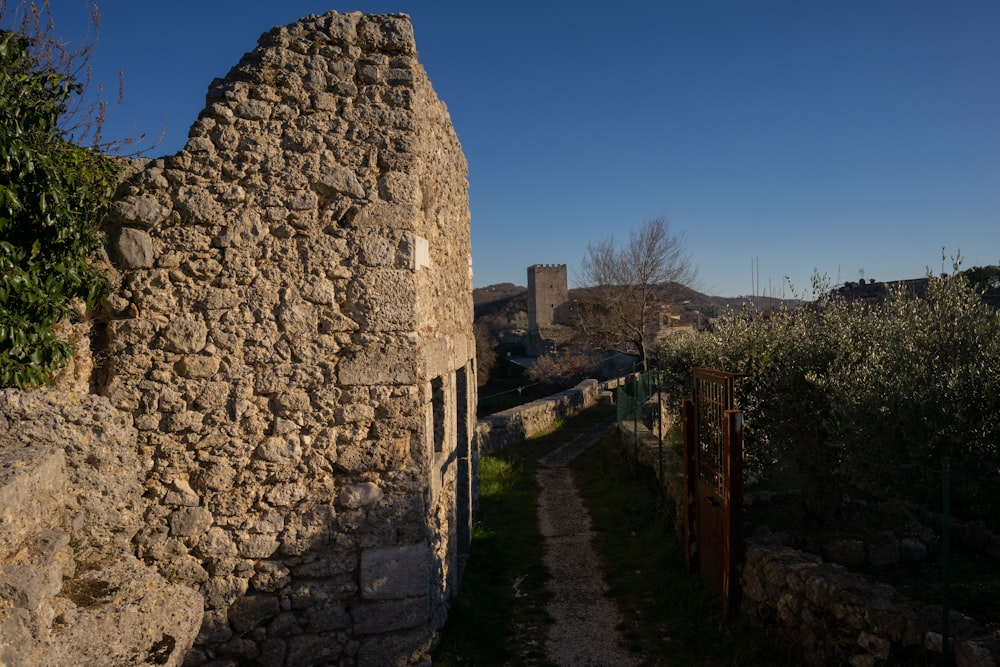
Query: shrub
[863, 398]
[52, 196]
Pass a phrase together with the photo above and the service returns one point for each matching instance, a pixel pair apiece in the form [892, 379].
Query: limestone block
[313, 650]
[28, 585]
[360, 495]
[377, 250]
[389, 615]
[186, 335]
[135, 248]
[31, 481]
[138, 211]
[190, 521]
[15, 637]
[391, 34]
[197, 366]
[252, 611]
[395, 572]
[256, 546]
[387, 361]
[200, 145]
[384, 299]
[328, 618]
[338, 180]
[286, 451]
[198, 206]
[400, 188]
[125, 610]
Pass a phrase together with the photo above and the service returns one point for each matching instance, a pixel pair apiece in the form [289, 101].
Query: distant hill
[505, 301]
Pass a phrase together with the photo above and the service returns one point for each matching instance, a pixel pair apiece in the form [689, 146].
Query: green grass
[499, 616]
[504, 579]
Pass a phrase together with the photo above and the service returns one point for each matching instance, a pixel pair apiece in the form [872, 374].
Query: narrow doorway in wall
[438, 411]
[463, 500]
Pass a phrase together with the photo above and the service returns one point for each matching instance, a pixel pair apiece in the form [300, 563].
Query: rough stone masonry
[293, 337]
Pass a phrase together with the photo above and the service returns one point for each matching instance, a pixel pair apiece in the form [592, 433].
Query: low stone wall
[835, 614]
[497, 431]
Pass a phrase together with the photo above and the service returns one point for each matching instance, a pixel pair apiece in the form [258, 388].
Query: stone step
[32, 494]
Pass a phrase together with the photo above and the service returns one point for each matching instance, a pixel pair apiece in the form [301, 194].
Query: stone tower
[547, 292]
[294, 341]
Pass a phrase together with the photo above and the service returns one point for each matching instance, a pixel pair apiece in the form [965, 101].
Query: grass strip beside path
[671, 618]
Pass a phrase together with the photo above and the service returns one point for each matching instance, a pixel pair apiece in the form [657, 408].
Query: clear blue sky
[779, 136]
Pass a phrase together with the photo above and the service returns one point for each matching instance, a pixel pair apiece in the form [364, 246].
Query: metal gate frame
[713, 481]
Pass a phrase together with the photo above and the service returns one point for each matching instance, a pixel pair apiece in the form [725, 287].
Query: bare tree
[629, 284]
[82, 121]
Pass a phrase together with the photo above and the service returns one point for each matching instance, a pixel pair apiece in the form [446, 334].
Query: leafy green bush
[861, 398]
[52, 196]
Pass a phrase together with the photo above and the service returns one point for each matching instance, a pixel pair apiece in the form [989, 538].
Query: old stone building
[548, 292]
[293, 337]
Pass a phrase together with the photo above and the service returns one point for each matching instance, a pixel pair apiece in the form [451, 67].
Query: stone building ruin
[293, 338]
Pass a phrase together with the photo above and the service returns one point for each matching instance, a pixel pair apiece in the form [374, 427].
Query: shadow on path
[585, 632]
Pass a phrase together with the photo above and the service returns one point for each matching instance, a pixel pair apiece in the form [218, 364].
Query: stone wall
[502, 429]
[292, 335]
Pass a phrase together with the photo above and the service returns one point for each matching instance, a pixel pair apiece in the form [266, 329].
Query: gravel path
[585, 632]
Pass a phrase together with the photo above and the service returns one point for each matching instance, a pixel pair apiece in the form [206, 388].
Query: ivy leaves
[53, 195]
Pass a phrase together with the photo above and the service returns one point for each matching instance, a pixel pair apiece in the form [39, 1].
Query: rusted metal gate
[713, 481]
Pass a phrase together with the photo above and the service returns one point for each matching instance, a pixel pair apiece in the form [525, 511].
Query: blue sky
[779, 137]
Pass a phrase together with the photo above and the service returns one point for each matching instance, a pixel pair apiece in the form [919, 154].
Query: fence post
[659, 421]
[945, 560]
[635, 425]
[689, 425]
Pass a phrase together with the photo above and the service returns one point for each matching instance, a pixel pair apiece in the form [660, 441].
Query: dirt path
[585, 632]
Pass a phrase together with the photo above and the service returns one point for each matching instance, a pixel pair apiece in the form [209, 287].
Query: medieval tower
[547, 292]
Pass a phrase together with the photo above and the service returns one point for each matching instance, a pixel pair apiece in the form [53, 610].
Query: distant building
[874, 293]
[548, 292]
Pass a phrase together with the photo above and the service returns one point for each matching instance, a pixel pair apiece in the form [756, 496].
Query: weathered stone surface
[135, 248]
[359, 495]
[308, 280]
[124, 614]
[15, 636]
[90, 482]
[394, 572]
[31, 481]
[138, 211]
[498, 430]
